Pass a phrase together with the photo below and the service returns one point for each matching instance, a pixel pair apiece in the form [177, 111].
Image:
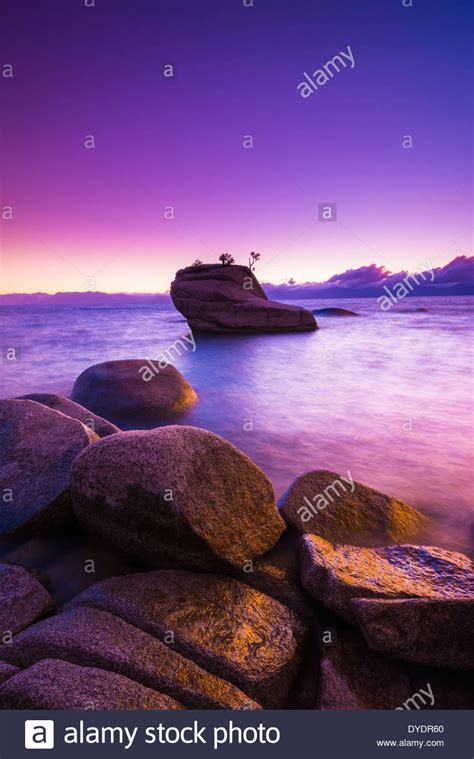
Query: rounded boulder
[177, 497]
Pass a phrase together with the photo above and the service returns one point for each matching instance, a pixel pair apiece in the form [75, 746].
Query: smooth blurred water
[385, 395]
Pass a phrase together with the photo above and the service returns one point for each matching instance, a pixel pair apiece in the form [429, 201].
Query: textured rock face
[38, 448]
[169, 496]
[343, 511]
[338, 575]
[22, 599]
[132, 390]
[277, 575]
[100, 426]
[228, 628]
[94, 638]
[353, 677]
[7, 671]
[418, 630]
[215, 298]
[55, 684]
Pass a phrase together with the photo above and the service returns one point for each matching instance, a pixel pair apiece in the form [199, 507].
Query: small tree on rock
[226, 259]
[195, 263]
[253, 258]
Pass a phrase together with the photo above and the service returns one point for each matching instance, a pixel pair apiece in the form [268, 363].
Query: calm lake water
[386, 396]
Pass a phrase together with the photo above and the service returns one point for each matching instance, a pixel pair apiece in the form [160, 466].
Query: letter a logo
[39, 733]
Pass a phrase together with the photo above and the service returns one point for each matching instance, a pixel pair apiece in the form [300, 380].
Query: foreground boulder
[100, 426]
[228, 628]
[215, 298]
[344, 511]
[96, 638]
[337, 575]
[176, 497]
[22, 600]
[38, 448]
[133, 391]
[425, 631]
[55, 684]
[355, 678]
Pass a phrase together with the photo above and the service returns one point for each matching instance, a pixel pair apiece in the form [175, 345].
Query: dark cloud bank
[456, 278]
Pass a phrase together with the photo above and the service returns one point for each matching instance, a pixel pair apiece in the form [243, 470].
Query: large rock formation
[229, 629]
[177, 497]
[100, 426]
[341, 510]
[94, 638]
[22, 600]
[56, 684]
[216, 298]
[133, 390]
[38, 448]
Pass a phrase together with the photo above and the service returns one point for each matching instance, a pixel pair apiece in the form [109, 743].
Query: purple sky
[94, 218]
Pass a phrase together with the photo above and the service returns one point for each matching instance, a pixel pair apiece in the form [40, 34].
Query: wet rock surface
[336, 575]
[95, 638]
[334, 312]
[168, 498]
[132, 390]
[215, 298]
[341, 510]
[22, 600]
[38, 448]
[228, 628]
[100, 426]
[55, 684]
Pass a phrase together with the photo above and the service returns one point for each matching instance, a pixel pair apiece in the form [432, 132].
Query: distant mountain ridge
[456, 278]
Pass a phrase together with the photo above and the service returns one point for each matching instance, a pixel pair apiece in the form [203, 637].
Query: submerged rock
[425, 631]
[216, 298]
[100, 426]
[226, 627]
[133, 390]
[344, 511]
[334, 312]
[177, 497]
[337, 575]
[22, 600]
[56, 684]
[38, 448]
[94, 638]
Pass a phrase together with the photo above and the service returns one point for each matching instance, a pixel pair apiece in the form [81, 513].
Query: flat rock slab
[341, 510]
[425, 631]
[22, 600]
[336, 575]
[95, 638]
[55, 684]
[176, 497]
[215, 298]
[334, 312]
[38, 448]
[132, 390]
[228, 628]
[100, 426]
[355, 678]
